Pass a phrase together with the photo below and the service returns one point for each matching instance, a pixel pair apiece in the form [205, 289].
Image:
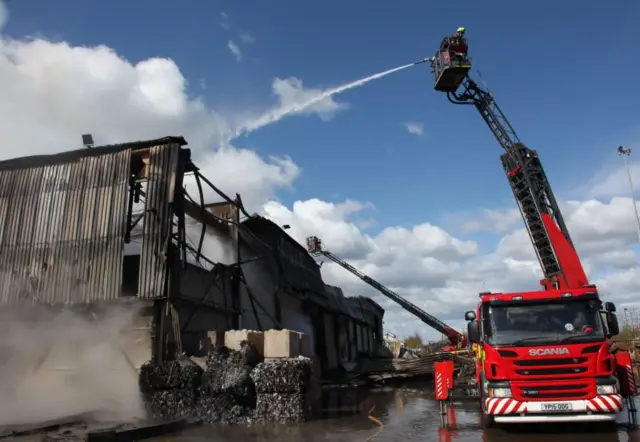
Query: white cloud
[415, 128]
[614, 180]
[487, 220]
[54, 92]
[235, 49]
[247, 38]
[224, 20]
[443, 274]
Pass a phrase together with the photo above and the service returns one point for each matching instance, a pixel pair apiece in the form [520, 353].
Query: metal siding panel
[99, 271]
[43, 247]
[120, 220]
[90, 234]
[7, 188]
[157, 226]
[62, 230]
[67, 285]
[58, 290]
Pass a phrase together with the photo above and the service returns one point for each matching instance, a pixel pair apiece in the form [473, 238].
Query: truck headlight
[607, 389]
[499, 392]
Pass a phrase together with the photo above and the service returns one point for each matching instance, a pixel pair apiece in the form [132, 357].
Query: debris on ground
[282, 387]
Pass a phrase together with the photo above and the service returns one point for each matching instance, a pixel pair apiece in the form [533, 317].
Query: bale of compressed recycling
[287, 376]
[181, 373]
[169, 388]
[231, 380]
[282, 408]
[170, 404]
[227, 394]
[247, 355]
[229, 371]
[222, 408]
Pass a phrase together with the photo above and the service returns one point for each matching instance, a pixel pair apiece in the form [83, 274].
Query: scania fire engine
[541, 356]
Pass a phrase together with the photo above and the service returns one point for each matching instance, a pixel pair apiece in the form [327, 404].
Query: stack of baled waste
[169, 388]
[226, 394]
[233, 385]
[282, 387]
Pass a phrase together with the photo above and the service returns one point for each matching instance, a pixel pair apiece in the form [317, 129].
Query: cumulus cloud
[224, 20]
[54, 92]
[443, 274]
[415, 128]
[487, 220]
[614, 180]
[247, 38]
[235, 50]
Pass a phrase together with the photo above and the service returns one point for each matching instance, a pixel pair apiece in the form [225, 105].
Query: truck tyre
[488, 421]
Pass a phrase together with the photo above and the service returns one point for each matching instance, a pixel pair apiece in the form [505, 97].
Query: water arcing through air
[278, 114]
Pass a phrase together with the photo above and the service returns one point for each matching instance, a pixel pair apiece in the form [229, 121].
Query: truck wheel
[488, 420]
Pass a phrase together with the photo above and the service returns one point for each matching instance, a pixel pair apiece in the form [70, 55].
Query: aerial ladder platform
[538, 206]
[457, 340]
[561, 266]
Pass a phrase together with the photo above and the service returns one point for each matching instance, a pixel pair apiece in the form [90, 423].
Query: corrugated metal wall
[161, 176]
[62, 230]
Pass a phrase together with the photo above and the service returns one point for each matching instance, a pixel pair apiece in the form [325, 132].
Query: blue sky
[563, 72]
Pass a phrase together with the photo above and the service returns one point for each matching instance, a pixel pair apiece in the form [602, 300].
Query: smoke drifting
[54, 365]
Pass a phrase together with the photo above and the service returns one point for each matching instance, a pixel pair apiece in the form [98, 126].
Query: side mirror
[610, 307]
[612, 324]
[470, 315]
[473, 332]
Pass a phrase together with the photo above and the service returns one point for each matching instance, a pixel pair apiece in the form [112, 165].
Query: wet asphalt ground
[406, 415]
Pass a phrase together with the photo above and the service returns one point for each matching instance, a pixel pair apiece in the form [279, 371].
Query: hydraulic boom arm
[314, 246]
[548, 232]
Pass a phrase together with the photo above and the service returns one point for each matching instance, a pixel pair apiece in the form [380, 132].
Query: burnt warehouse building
[111, 232]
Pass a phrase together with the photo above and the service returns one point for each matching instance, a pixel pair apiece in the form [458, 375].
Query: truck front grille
[549, 362]
[533, 392]
[551, 366]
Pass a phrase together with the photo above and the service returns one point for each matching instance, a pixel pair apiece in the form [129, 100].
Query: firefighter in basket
[458, 44]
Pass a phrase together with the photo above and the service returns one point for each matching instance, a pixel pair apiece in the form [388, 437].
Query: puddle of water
[406, 415]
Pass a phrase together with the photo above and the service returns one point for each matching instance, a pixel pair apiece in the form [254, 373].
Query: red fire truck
[542, 356]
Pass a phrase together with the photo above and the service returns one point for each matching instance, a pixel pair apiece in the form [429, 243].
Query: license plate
[556, 407]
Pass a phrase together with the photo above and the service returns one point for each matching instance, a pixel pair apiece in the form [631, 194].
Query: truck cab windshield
[542, 323]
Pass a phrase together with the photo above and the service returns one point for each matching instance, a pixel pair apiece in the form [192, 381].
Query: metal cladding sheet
[62, 230]
[157, 229]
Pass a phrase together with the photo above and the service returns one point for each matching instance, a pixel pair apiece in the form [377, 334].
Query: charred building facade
[287, 282]
[115, 225]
